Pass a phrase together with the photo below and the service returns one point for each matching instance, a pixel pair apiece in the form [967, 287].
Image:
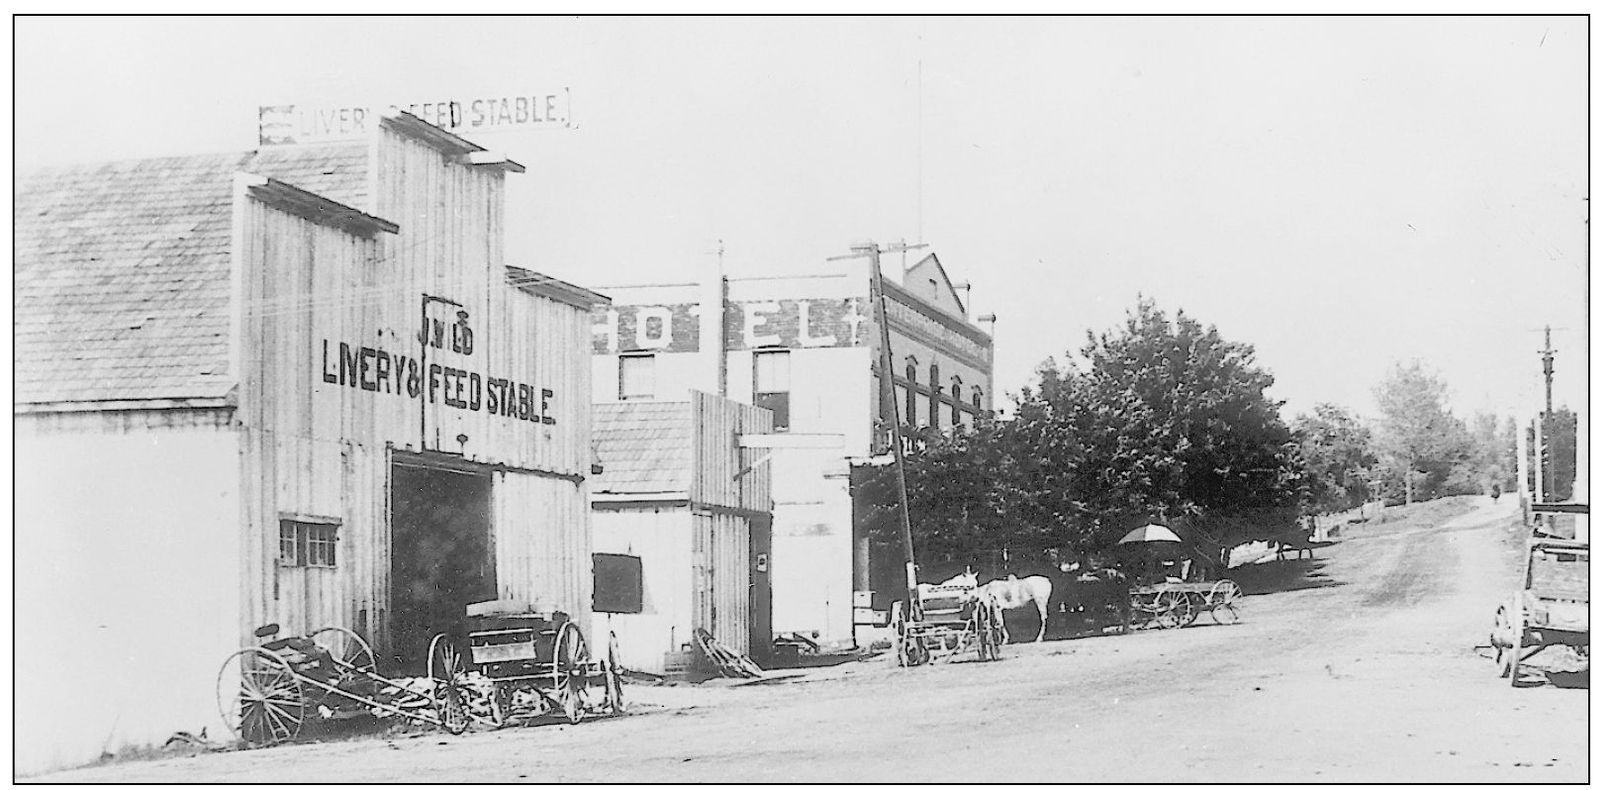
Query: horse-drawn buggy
[1552, 608]
[520, 665]
[527, 664]
[1177, 604]
[953, 620]
[267, 692]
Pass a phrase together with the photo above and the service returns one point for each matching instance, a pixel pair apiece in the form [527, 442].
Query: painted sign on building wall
[780, 323]
[441, 369]
[302, 123]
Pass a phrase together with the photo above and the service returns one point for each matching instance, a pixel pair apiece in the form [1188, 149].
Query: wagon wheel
[1142, 614]
[1190, 611]
[1225, 592]
[615, 701]
[445, 666]
[1501, 632]
[995, 631]
[566, 674]
[979, 622]
[353, 656]
[499, 701]
[1170, 608]
[915, 651]
[260, 697]
[1519, 627]
[1224, 614]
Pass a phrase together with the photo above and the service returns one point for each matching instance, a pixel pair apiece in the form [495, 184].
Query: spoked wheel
[1519, 627]
[1223, 599]
[615, 700]
[913, 652]
[1170, 608]
[355, 661]
[446, 669]
[260, 697]
[1499, 636]
[568, 672]
[992, 632]
[498, 705]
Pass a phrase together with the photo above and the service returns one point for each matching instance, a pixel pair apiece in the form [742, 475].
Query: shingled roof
[645, 447]
[122, 270]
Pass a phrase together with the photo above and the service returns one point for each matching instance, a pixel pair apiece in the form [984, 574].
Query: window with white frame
[637, 377]
[772, 386]
[307, 543]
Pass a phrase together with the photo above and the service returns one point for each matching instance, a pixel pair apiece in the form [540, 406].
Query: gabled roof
[645, 447]
[928, 267]
[122, 270]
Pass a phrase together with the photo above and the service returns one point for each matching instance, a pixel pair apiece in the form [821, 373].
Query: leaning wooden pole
[887, 397]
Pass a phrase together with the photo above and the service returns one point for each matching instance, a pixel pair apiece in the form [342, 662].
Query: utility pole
[887, 397]
[1548, 358]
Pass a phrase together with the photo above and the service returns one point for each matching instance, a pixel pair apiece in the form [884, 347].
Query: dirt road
[1356, 666]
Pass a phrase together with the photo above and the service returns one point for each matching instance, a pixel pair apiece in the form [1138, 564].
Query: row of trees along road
[1165, 420]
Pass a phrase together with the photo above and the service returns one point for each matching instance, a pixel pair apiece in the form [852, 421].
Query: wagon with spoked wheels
[1179, 604]
[1552, 608]
[955, 621]
[267, 692]
[529, 665]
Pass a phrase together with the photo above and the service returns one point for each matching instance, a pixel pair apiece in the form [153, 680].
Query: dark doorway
[442, 555]
[760, 587]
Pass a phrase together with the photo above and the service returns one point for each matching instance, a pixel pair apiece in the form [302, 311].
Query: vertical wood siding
[719, 462]
[311, 447]
[722, 579]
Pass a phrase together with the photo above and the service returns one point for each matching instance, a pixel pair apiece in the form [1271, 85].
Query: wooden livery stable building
[298, 385]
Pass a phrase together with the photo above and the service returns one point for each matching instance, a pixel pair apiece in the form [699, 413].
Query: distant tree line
[1164, 420]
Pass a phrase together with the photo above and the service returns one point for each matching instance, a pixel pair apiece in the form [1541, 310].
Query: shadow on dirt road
[1282, 576]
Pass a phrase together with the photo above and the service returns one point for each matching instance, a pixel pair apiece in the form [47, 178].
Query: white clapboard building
[299, 385]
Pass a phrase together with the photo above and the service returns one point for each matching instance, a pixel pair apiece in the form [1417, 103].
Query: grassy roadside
[1416, 516]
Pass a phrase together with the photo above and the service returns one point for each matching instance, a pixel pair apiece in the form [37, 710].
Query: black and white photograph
[920, 398]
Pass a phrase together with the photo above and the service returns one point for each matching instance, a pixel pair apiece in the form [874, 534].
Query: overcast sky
[1343, 193]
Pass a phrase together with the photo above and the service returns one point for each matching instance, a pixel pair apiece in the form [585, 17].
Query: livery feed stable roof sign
[283, 124]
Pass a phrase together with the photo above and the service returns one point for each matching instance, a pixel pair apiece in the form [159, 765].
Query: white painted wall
[662, 537]
[127, 582]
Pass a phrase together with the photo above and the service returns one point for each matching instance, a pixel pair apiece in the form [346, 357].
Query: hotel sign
[283, 124]
[780, 323]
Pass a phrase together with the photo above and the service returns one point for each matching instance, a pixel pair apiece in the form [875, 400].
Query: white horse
[1014, 592]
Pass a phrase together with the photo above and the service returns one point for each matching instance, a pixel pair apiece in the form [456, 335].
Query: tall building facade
[806, 347]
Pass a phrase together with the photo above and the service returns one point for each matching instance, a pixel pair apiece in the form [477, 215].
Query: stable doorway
[442, 554]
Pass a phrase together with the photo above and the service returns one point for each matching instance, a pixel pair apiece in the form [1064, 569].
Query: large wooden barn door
[442, 554]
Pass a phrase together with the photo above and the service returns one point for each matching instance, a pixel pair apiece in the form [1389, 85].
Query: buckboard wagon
[1552, 608]
[267, 692]
[1178, 604]
[953, 621]
[529, 664]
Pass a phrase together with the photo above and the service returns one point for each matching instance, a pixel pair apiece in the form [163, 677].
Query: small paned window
[934, 396]
[637, 377]
[978, 399]
[307, 544]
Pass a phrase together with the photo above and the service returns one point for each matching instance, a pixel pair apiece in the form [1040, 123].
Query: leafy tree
[1419, 439]
[1490, 460]
[1162, 419]
[1336, 448]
